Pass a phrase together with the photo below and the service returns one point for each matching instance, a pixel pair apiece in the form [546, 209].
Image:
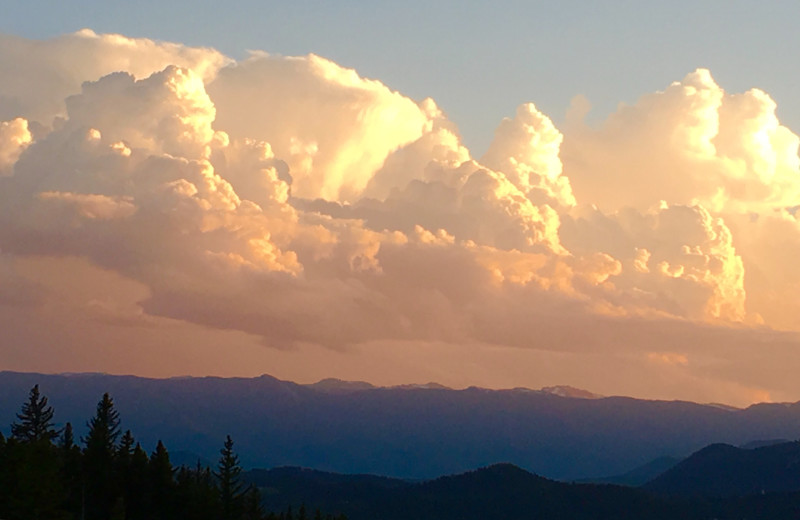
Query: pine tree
[36, 420]
[33, 488]
[136, 489]
[67, 440]
[123, 463]
[126, 446]
[161, 481]
[197, 496]
[230, 488]
[103, 427]
[102, 486]
[252, 505]
[5, 473]
[70, 455]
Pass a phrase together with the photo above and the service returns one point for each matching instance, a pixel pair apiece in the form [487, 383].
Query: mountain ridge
[408, 433]
[723, 471]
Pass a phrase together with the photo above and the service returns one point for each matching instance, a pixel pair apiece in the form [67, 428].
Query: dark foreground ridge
[724, 471]
[502, 492]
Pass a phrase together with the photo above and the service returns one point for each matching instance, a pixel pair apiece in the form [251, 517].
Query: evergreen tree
[123, 463]
[33, 484]
[126, 446]
[161, 482]
[102, 487]
[103, 428]
[5, 474]
[252, 505]
[136, 486]
[230, 488]
[70, 455]
[35, 420]
[197, 497]
[67, 440]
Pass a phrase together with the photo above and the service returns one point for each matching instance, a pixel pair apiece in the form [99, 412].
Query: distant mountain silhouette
[337, 385]
[724, 471]
[761, 443]
[402, 432]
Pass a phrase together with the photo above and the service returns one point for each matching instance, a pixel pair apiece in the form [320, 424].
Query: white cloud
[36, 76]
[292, 200]
[331, 126]
[14, 138]
[692, 142]
[676, 259]
[526, 149]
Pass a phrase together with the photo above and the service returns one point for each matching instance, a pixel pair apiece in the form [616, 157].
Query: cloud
[332, 127]
[16, 290]
[14, 138]
[692, 142]
[526, 149]
[676, 259]
[36, 76]
[434, 184]
[770, 244]
[291, 203]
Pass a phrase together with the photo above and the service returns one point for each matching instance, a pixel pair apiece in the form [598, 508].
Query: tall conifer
[102, 485]
[161, 482]
[35, 420]
[230, 488]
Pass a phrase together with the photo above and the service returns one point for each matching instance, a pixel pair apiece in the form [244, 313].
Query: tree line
[46, 474]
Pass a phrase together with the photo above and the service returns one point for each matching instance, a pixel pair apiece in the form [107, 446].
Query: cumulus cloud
[676, 259]
[290, 200]
[38, 75]
[526, 149]
[331, 126]
[692, 142]
[14, 138]
[696, 145]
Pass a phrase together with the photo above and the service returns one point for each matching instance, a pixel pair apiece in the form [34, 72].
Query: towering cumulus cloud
[317, 223]
[333, 127]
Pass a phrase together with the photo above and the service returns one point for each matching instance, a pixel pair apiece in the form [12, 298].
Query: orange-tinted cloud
[291, 203]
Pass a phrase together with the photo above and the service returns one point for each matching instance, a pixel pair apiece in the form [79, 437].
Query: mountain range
[413, 432]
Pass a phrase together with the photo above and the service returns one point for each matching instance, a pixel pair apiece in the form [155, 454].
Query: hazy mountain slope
[415, 433]
[639, 475]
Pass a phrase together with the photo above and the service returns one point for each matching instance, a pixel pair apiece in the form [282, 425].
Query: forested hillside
[48, 474]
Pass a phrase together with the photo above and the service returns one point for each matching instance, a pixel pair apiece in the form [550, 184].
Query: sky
[530, 194]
